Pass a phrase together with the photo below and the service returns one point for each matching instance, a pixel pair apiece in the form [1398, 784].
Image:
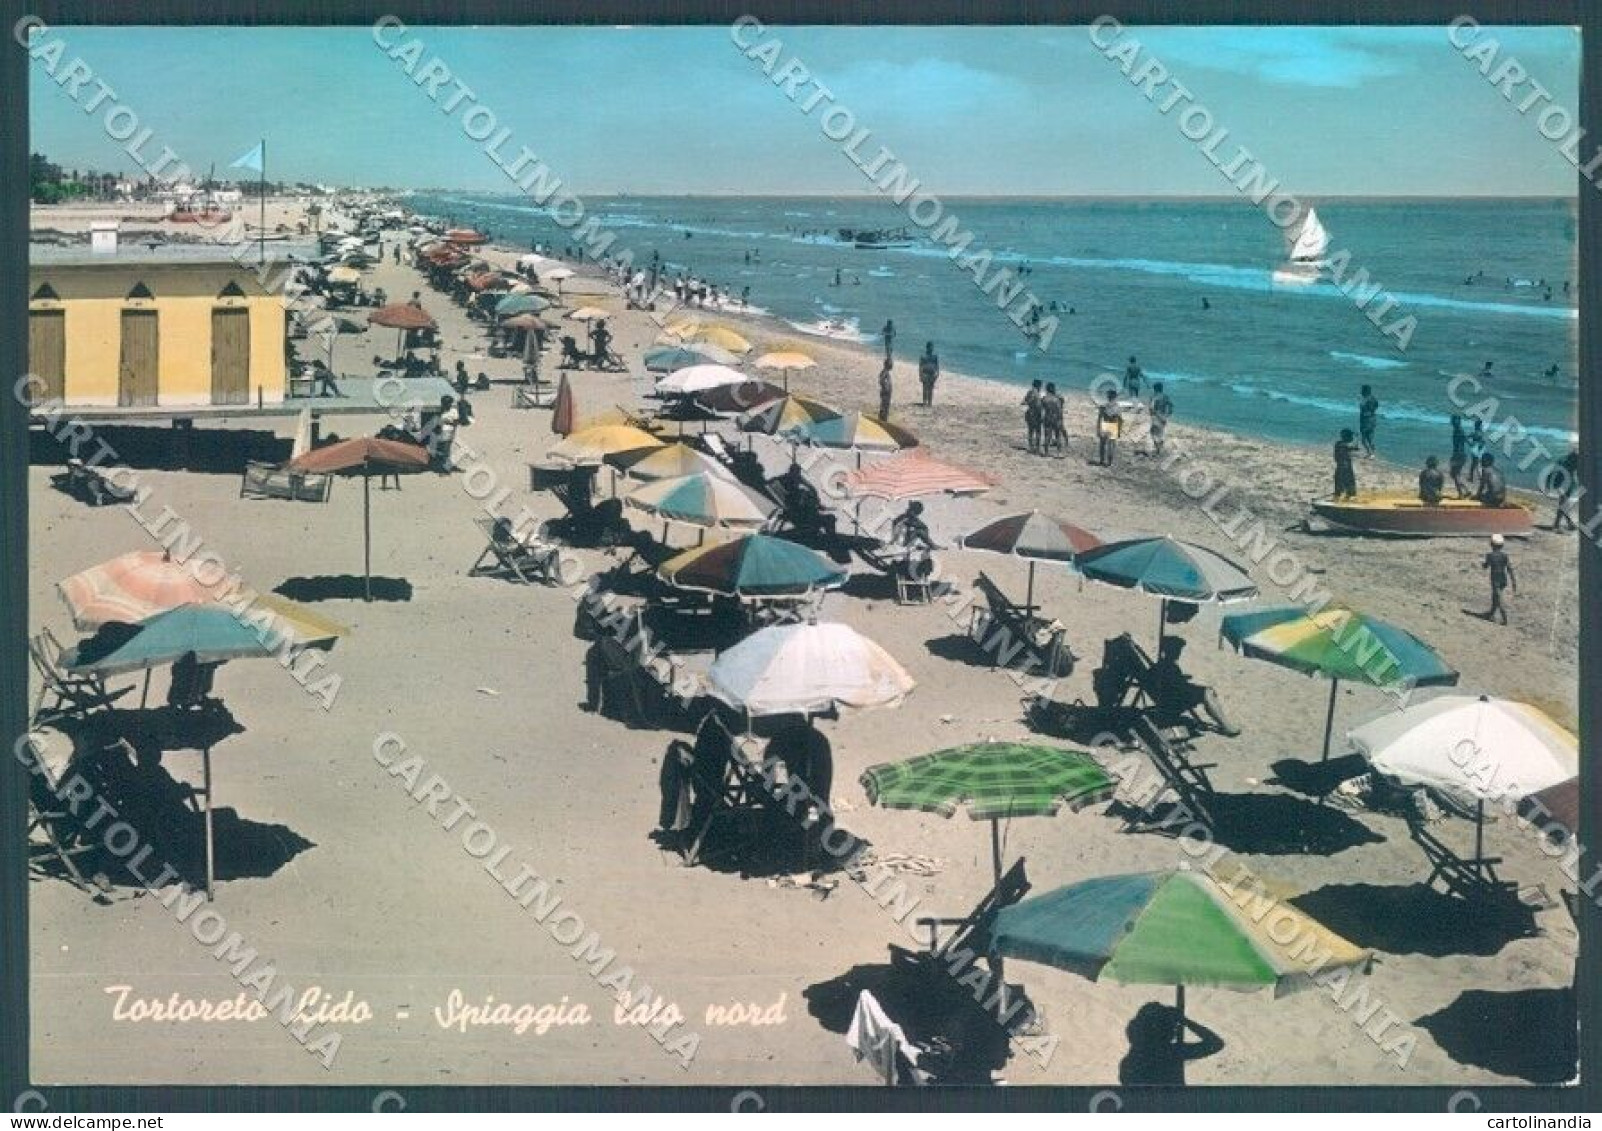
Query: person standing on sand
[889, 335]
[1476, 449]
[1367, 419]
[1109, 423]
[1052, 436]
[1459, 455]
[1345, 473]
[1133, 375]
[884, 389]
[1031, 407]
[1564, 479]
[1502, 577]
[928, 373]
[1162, 410]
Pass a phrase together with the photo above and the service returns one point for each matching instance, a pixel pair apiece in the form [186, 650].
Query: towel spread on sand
[877, 1039]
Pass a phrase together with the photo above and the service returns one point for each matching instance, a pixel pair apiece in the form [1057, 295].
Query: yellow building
[175, 326]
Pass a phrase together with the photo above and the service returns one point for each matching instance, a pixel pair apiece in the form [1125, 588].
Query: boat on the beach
[1404, 516]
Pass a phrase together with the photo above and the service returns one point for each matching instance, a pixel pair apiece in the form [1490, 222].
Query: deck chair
[510, 556]
[1475, 878]
[534, 394]
[647, 686]
[956, 944]
[48, 763]
[1010, 633]
[725, 789]
[1186, 780]
[91, 485]
[271, 481]
[72, 694]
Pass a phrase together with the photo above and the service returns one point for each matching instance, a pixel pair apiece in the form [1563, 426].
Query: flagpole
[262, 189]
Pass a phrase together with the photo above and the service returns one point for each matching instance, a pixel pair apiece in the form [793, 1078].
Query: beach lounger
[1186, 780]
[274, 481]
[89, 485]
[1475, 878]
[510, 556]
[1012, 634]
[714, 786]
[48, 763]
[587, 523]
[641, 685]
[70, 694]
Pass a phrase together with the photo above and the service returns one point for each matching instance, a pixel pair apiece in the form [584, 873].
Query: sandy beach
[329, 868]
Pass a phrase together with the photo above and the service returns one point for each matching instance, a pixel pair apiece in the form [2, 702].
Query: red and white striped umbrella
[916, 473]
[131, 588]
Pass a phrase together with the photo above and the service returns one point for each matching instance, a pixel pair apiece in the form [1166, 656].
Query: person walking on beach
[1345, 473]
[1109, 423]
[1052, 435]
[444, 435]
[1459, 455]
[1031, 407]
[1133, 375]
[1367, 419]
[1502, 577]
[1431, 483]
[928, 373]
[1564, 479]
[889, 335]
[1162, 410]
[884, 389]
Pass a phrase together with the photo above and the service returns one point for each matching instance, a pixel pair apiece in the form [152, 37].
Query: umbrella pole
[995, 848]
[1479, 834]
[367, 534]
[1029, 599]
[1162, 624]
[145, 694]
[1329, 717]
[211, 868]
[1179, 1006]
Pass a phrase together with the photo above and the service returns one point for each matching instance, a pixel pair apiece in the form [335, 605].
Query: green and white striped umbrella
[995, 780]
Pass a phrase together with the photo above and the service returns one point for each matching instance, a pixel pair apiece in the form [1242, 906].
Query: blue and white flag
[253, 159]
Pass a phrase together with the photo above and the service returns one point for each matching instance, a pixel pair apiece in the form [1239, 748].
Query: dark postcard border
[14, 1015]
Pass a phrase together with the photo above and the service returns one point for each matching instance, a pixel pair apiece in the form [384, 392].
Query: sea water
[1188, 287]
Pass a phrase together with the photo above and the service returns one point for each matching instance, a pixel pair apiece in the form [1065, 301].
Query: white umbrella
[1472, 749]
[805, 669]
[700, 378]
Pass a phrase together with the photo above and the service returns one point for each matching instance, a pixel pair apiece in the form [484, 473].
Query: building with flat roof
[148, 329]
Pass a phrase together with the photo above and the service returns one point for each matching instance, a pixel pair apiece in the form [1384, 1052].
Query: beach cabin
[148, 330]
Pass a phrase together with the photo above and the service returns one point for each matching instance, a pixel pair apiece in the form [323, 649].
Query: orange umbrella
[131, 588]
[564, 412]
[364, 455]
[403, 316]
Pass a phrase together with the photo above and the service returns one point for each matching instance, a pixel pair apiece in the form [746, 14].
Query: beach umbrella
[130, 588]
[755, 566]
[727, 400]
[670, 462]
[1176, 928]
[1337, 644]
[557, 274]
[526, 321]
[304, 624]
[564, 410]
[363, 456]
[699, 378]
[665, 359]
[521, 304]
[702, 500]
[1169, 569]
[588, 314]
[402, 316]
[213, 633]
[466, 237]
[344, 275]
[785, 413]
[807, 669]
[709, 333]
[594, 444]
[856, 432]
[994, 781]
[1472, 748]
[1033, 536]
[785, 361]
[916, 473]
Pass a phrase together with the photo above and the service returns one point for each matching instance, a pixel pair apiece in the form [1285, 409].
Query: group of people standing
[928, 371]
[1044, 416]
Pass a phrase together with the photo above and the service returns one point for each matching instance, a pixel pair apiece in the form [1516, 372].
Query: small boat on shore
[1404, 516]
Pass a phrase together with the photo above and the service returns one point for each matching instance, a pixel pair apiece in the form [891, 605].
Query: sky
[971, 110]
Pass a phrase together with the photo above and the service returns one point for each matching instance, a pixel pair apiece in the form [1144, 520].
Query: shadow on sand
[1269, 824]
[1530, 1034]
[219, 451]
[133, 777]
[1415, 919]
[344, 587]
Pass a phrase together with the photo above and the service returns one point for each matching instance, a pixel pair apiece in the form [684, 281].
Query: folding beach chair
[272, 481]
[1186, 780]
[511, 556]
[73, 694]
[1475, 878]
[725, 788]
[46, 814]
[1011, 633]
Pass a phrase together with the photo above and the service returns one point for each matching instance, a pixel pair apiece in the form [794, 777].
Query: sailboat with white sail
[1307, 247]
